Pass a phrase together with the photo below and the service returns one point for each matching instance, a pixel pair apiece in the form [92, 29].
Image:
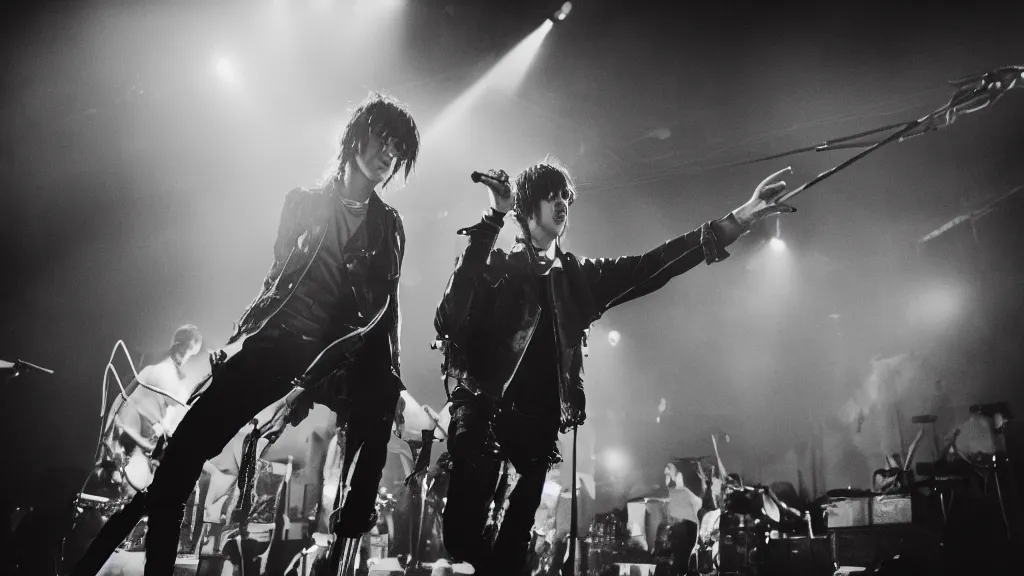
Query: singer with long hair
[336, 265]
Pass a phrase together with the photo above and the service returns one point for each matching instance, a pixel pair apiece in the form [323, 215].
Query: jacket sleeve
[396, 326]
[450, 318]
[613, 281]
[286, 230]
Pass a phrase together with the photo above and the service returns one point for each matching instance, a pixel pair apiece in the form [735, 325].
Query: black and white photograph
[511, 288]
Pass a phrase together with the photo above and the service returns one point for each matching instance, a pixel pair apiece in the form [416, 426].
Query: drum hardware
[419, 487]
[929, 420]
[986, 464]
[268, 511]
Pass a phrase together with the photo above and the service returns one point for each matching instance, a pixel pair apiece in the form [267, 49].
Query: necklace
[354, 204]
[348, 202]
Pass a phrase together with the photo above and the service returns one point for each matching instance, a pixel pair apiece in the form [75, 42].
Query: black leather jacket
[305, 220]
[489, 310]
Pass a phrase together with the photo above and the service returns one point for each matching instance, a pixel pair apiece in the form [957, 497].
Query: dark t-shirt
[322, 305]
[534, 387]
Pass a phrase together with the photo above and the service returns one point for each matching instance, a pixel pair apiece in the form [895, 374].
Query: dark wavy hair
[542, 181]
[391, 120]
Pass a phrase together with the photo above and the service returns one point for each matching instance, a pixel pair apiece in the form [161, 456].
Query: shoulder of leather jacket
[298, 201]
[303, 193]
[388, 208]
[480, 227]
[569, 257]
[490, 223]
[499, 256]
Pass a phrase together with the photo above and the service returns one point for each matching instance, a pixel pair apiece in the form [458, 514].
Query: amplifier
[867, 511]
[798, 555]
[739, 551]
[866, 547]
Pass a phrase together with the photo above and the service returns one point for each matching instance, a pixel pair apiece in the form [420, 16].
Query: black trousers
[258, 375]
[481, 438]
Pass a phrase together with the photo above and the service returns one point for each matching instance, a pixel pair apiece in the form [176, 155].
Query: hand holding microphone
[498, 185]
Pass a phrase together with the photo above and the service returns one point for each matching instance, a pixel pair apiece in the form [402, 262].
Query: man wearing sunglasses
[514, 331]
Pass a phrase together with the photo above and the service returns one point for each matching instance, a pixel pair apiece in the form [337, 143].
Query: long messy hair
[542, 181]
[390, 119]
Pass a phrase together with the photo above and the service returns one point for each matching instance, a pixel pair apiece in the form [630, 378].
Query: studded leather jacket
[489, 310]
[373, 262]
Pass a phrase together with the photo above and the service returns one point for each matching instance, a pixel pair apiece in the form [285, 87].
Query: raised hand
[764, 202]
[500, 190]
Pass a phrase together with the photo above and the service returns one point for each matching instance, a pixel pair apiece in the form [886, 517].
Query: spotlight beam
[506, 75]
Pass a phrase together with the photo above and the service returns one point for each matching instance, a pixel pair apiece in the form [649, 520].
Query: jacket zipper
[529, 339]
[558, 348]
[558, 343]
[295, 285]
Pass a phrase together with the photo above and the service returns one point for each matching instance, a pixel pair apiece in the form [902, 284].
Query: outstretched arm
[613, 281]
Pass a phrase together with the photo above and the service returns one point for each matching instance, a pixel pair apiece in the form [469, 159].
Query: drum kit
[654, 534]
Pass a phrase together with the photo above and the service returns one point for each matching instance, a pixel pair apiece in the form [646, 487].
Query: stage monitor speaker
[798, 555]
[910, 546]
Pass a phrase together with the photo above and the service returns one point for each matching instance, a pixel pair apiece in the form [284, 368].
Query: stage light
[563, 12]
[777, 243]
[938, 304]
[616, 461]
[505, 75]
[614, 337]
[226, 70]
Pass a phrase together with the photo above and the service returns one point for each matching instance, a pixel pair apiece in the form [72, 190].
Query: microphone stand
[18, 367]
[972, 94]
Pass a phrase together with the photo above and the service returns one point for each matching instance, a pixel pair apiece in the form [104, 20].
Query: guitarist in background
[154, 408]
[333, 286]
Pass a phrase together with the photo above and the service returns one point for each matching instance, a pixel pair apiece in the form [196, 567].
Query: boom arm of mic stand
[19, 366]
[23, 364]
[973, 93]
[895, 136]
